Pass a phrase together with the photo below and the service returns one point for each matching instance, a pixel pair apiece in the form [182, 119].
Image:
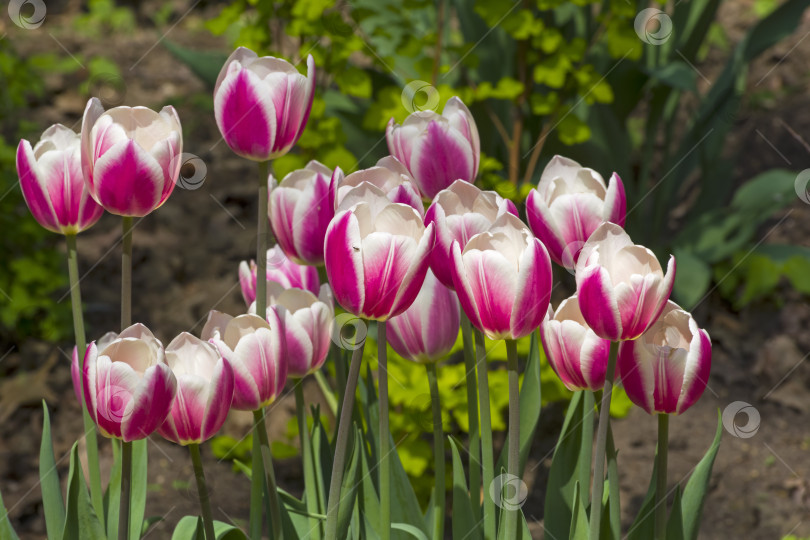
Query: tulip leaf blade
[52, 501]
[579, 529]
[6, 530]
[643, 527]
[348, 491]
[464, 523]
[189, 528]
[675, 523]
[614, 515]
[137, 510]
[81, 522]
[112, 497]
[415, 532]
[570, 466]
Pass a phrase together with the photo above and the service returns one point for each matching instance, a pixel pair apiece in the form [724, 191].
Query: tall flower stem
[96, 494]
[126, 481]
[344, 427]
[202, 491]
[438, 454]
[601, 441]
[261, 242]
[487, 460]
[385, 441]
[513, 458]
[260, 430]
[661, 480]
[256, 483]
[472, 415]
[310, 482]
[126, 320]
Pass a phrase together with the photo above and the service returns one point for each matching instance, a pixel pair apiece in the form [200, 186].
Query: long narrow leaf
[81, 522]
[464, 523]
[138, 483]
[112, 497]
[6, 531]
[52, 500]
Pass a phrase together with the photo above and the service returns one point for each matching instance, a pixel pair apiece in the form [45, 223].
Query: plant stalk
[202, 491]
[256, 482]
[261, 242]
[513, 457]
[385, 441]
[310, 482]
[661, 480]
[472, 412]
[438, 454]
[126, 481]
[487, 459]
[260, 429]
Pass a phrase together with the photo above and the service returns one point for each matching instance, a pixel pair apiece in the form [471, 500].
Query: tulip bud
[666, 370]
[621, 286]
[428, 329]
[390, 177]
[204, 391]
[130, 157]
[459, 213]
[254, 347]
[262, 104]
[574, 351]
[128, 387]
[300, 210]
[376, 254]
[281, 270]
[52, 182]
[570, 202]
[503, 279]
[437, 149]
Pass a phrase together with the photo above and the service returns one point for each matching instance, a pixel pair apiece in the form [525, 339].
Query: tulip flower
[300, 210]
[75, 368]
[437, 149]
[459, 213]
[391, 177]
[130, 157]
[281, 270]
[428, 329]
[503, 279]
[667, 368]
[254, 347]
[376, 254]
[128, 387]
[204, 391]
[262, 104]
[52, 182]
[575, 352]
[621, 286]
[569, 203]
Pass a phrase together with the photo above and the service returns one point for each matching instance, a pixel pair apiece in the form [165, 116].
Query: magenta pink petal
[151, 403]
[129, 181]
[598, 304]
[533, 292]
[244, 115]
[344, 262]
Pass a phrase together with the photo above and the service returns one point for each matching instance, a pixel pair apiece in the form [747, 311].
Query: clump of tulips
[410, 247]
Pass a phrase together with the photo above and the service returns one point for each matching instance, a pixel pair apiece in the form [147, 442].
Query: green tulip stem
[261, 242]
[487, 460]
[310, 481]
[472, 415]
[513, 457]
[385, 441]
[661, 479]
[126, 481]
[202, 491]
[438, 454]
[260, 431]
[601, 442]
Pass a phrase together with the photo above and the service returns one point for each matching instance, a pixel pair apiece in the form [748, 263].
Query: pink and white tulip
[437, 149]
[300, 210]
[428, 329]
[376, 254]
[262, 104]
[306, 321]
[390, 177]
[130, 157]
[621, 286]
[666, 370]
[204, 391]
[255, 349]
[569, 203]
[281, 270]
[52, 182]
[577, 354]
[503, 279]
[128, 387]
[75, 368]
[459, 213]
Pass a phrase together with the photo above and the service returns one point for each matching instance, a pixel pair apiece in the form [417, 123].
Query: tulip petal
[439, 157]
[543, 226]
[344, 261]
[129, 180]
[638, 376]
[696, 371]
[493, 286]
[245, 113]
[152, 401]
[615, 209]
[597, 302]
[533, 291]
[34, 188]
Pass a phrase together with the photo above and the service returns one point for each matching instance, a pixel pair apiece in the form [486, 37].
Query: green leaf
[6, 531]
[52, 500]
[614, 506]
[570, 467]
[204, 64]
[692, 278]
[676, 75]
[81, 522]
[465, 526]
[112, 497]
[415, 532]
[675, 523]
[294, 516]
[643, 527]
[137, 507]
[189, 528]
[579, 517]
[348, 491]
[355, 82]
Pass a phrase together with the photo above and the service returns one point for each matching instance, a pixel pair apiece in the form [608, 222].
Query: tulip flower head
[390, 177]
[667, 368]
[52, 182]
[300, 209]
[428, 329]
[437, 149]
[262, 104]
[569, 203]
[75, 368]
[621, 286]
[459, 213]
[376, 253]
[503, 279]
[128, 387]
[281, 270]
[577, 354]
[204, 391]
[130, 157]
[254, 347]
